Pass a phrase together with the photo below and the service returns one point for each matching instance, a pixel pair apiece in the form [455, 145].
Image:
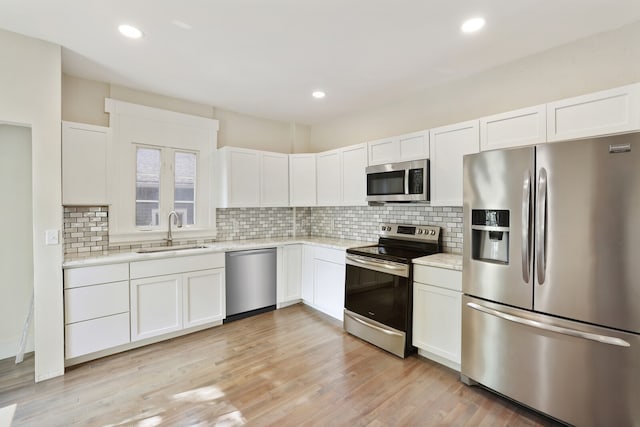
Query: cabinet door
[601, 113]
[156, 306]
[292, 272]
[84, 164]
[414, 146]
[243, 176]
[383, 151]
[354, 177]
[448, 145]
[302, 179]
[274, 179]
[521, 127]
[308, 274]
[437, 320]
[329, 287]
[203, 299]
[329, 178]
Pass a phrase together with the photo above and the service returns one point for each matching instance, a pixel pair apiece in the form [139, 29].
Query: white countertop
[449, 261]
[111, 257]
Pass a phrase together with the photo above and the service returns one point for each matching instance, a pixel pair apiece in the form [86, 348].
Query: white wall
[30, 88]
[599, 62]
[83, 101]
[16, 253]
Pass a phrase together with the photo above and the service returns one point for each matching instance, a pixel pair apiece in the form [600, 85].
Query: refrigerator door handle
[541, 219]
[526, 209]
[551, 328]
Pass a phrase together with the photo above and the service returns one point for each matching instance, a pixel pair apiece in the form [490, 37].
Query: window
[161, 161]
[147, 186]
[184, 186]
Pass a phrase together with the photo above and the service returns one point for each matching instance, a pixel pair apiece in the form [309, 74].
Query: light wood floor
[289, 367]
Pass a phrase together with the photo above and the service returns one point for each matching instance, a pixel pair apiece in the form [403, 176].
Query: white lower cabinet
[156, 306]
[189, 293]
[289, 274]
[437, 314]
[96, 308]
[323, 280]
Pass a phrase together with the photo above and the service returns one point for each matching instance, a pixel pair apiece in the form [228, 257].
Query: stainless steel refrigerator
[551, 277]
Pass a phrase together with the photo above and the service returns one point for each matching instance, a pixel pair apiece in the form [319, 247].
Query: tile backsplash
[86, 228]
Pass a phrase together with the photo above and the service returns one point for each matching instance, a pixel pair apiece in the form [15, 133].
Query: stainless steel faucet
[177, 218]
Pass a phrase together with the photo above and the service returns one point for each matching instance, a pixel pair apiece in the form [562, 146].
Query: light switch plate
[51, 237]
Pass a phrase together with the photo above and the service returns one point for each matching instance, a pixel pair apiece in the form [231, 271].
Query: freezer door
[588, 231]
[581, 374]
[497, 254]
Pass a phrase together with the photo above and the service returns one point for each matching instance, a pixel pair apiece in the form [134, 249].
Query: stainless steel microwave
[398, 182]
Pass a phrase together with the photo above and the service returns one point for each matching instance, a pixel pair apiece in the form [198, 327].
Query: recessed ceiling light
[130, 31]
[318, 94]
[472, 25]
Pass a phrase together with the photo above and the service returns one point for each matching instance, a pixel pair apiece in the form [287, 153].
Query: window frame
[140, 126]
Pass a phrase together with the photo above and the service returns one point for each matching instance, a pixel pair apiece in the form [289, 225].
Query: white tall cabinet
[448, 145]
[84, 164]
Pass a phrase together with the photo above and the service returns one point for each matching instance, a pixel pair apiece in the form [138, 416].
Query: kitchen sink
[169, 248]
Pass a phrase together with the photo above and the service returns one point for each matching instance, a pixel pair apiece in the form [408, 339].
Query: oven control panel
[410, 232]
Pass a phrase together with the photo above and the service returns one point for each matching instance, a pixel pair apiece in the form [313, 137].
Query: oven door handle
[396, 270]
[370, 325]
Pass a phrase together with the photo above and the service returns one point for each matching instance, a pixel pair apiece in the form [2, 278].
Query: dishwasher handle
[251, 252]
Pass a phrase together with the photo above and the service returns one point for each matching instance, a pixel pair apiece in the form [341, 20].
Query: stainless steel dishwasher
[250, 282]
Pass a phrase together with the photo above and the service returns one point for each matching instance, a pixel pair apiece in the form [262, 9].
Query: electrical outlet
[51, 237]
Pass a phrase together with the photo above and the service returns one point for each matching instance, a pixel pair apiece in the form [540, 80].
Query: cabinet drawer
[441, 277]
[90, 302]
[94, 335]
[160, 267]
[84, 276]
[331, 255]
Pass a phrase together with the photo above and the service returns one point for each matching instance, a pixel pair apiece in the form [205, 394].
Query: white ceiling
[265, 57]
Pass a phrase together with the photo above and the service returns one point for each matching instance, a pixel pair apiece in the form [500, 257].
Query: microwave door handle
[526, 226]
[406, 181]
[541, 219]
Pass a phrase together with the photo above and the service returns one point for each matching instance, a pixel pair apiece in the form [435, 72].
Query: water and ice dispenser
[490, 235]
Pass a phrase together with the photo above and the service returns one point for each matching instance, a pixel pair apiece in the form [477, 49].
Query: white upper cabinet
[448, 145]
[251, 178]
[354, 178]
[84, 164]
[525, 126]
[274, 182]
[329, 178]
[600, 113]
[411, 146]
[302, 180]
[341, 176]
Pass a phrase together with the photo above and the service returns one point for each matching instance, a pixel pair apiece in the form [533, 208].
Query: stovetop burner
[402, 243]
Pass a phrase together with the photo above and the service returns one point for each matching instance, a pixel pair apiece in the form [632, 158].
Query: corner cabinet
[302, 180]
[601, 113]
[84, 164]
[448, 145]
[437, 314]
[251, 178]
[169, 295]
[410, 146]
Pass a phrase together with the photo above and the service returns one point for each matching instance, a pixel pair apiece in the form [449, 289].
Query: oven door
[377, 302]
